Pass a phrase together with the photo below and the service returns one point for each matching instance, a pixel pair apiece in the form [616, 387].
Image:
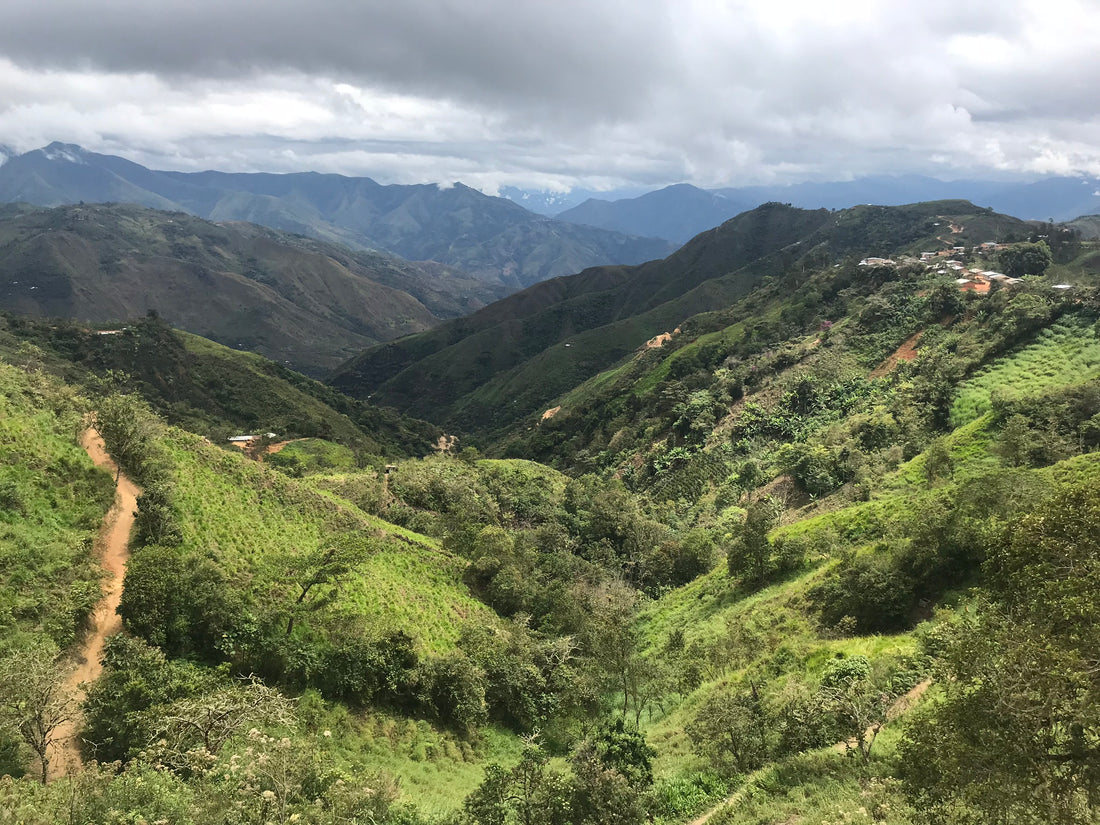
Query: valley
[790, 526]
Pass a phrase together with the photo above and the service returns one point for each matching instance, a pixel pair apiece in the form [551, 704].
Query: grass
[253, 522]
[1066, 352]
[52, 502]
[823, 788]
[435, 769]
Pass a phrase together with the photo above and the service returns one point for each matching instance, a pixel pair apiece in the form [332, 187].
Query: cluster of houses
[969, 278]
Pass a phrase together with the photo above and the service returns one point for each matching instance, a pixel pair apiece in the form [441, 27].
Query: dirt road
[112, 548]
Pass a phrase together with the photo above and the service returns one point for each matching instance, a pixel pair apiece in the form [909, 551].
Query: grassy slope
[211, 389]
[1066, 352]
[245, 516]
[52, 501]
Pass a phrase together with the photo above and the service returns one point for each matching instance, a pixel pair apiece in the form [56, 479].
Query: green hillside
[51, 503]
[826, 553]
[302, 302]
[482, 373]
[210, 389]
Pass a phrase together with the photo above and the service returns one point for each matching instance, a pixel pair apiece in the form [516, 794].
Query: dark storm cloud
[515, 53]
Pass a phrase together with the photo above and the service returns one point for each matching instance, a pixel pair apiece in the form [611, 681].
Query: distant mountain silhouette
[681, 211]
[493, 239]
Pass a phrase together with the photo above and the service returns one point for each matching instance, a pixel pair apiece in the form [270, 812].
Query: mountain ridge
[292, 299]
[492, 239]
[680, 211]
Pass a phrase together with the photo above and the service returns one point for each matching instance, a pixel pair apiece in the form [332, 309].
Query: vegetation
[828, 554]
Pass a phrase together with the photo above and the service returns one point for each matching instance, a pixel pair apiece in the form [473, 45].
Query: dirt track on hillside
[906, 352]
[112, 548]
[902, 705]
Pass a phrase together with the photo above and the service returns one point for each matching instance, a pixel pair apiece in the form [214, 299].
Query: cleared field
[1067, 352]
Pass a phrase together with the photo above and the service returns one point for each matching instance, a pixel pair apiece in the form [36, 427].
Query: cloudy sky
[551, 94]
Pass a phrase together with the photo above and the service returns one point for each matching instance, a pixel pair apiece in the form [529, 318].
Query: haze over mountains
[680, 212]
[490, 238]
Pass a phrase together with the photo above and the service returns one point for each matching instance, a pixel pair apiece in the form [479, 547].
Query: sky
[557, 94]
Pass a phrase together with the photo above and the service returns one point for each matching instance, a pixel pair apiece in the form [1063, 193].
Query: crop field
[254, 521]
[1067, 352]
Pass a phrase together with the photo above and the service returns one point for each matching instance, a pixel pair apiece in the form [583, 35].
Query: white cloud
[595, 93]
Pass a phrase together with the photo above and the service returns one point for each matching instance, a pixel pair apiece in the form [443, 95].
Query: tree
[325, 565]
[453, 688]
[531, 793]
[730, 728]
[860, 703]
[625, 750]
[602, 794]
[191, 730]
[1026, 259]
[1014, 445]
[35, 701]
[183, 604]
[937, 461]
[1016, 737]
[126, 425]
[750, 553]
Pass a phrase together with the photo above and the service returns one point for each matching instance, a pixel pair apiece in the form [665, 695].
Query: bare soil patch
[906, 352]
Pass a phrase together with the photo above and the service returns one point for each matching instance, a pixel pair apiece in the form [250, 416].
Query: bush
[184, 605]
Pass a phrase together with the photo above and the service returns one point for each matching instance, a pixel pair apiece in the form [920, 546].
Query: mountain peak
[64, 152]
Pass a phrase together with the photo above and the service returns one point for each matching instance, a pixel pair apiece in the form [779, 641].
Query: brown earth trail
[113, 550]
[903, 704]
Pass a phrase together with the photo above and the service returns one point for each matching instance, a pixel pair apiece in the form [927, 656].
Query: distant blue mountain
[681, 211]
[544, 202]
[492, 239]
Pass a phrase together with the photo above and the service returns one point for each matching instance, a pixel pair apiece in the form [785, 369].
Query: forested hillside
[295, 300]
[826, 552]
[482, 373]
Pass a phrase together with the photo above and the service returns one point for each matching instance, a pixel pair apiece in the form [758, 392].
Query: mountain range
[307, 303]
[483, 372]
[682, 211]
[492, 239]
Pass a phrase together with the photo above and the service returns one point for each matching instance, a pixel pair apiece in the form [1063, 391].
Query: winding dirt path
[902, 705]
[113, 550]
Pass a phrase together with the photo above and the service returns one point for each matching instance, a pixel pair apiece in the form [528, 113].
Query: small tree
[192, 730]
[531, 793]
[126, 425]
[315, 569]
[730, 729]
[937, 461]
[35, 702]
[750, 555]
[860, 705]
